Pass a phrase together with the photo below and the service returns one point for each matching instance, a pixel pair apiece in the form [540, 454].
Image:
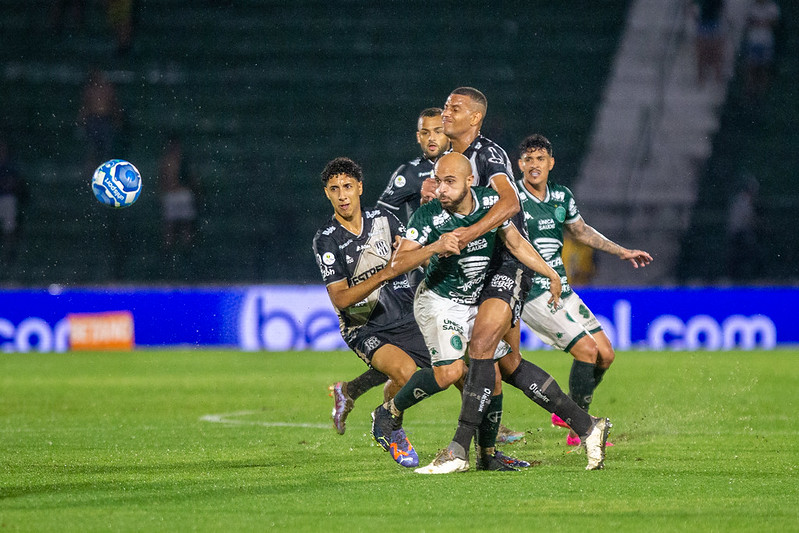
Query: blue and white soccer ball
[116, 183]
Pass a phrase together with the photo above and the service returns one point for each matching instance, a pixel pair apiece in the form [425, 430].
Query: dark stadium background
[265, 92]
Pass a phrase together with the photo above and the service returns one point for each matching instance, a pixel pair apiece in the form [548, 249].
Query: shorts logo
[502, 282]
[399, 181]
[328, 258]
[456, 342]
[371, 344]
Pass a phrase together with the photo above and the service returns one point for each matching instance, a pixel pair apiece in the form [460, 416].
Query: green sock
[487, 432]
[421, 385]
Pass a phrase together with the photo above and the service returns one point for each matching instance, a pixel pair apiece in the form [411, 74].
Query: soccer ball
[116, 183]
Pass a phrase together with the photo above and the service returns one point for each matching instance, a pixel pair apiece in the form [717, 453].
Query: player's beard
[452, 205]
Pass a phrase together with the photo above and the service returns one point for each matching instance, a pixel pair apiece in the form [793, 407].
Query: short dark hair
[430, 112]
[341, 165]
[534, 142]
[474, 94]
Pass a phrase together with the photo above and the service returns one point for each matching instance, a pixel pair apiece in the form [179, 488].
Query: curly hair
[535, 142]
[341, 165]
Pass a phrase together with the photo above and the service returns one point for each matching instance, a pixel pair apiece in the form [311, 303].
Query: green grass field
[229, 441]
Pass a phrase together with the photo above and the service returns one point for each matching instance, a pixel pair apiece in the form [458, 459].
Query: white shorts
[446, 326]
[563, 327]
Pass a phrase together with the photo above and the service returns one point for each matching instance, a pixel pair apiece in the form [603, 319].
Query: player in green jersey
[446, 306]
[548, 209]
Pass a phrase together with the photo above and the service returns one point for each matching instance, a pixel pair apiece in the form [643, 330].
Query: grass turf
[124, 442]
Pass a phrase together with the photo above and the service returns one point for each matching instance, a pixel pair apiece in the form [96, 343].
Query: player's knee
[586, 350]
[606, 357]
[447, 375]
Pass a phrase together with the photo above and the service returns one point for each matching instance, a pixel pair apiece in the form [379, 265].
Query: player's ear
[360, 188]
[551, 162]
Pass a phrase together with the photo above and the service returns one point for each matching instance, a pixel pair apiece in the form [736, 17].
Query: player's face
[459, 115]
[344, 192]
[430, 136]
[535, 166]
[452, 188]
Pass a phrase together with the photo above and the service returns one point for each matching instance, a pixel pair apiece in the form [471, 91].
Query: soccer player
[402, 197]
[446, 307]
[403, 194]
[549, 208]
[373, 303]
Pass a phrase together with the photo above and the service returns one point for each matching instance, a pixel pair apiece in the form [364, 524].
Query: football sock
[487, 431]
[582, 383]
[476, 399]
[599, 373]
[368, 380]
[542, 388]
[421, 385]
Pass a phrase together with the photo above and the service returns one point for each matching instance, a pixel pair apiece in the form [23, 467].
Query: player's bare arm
[344, 296]
[411, 254]
[506, 207]
[527, 254]
[587, 235]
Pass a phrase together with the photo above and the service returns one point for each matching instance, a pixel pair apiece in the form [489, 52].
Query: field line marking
[232, 419]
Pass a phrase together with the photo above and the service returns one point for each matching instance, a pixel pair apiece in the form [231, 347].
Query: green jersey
[545, 219]
[458, 277]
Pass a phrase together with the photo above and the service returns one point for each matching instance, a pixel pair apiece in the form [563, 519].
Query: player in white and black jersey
[402, 196]
[374, 305]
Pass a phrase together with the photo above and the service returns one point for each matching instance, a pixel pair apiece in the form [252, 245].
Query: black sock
[599, 373]
[369, 379]
[476, 399]
[542, 388]
[582, 383]
[421, 385]
[487, 431]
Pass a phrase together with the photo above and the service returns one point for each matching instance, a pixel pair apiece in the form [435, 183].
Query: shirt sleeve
[572, 212]
[328, 259]
[399, 191]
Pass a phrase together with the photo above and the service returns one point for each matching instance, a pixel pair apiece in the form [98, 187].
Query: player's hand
[397, 240]
[447, 245]
[463, 236]
[638, 258]
[428, 191]
[555, 288]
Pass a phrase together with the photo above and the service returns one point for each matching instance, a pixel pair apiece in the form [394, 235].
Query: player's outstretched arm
[587, 235]
[410, 255]
[344, 296]
[527, 254]
[506, 207]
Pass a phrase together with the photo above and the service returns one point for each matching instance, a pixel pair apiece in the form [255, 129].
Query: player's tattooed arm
[587, 235]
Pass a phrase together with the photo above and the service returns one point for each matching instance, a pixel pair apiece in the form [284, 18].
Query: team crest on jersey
[382, 248]
[328, 258]
[560, 213]
[399, 181]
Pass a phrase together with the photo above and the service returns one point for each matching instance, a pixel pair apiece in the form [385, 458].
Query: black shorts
[509, 281]
[406, 336]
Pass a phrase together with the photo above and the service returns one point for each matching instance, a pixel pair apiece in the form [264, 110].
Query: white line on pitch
[230, 418]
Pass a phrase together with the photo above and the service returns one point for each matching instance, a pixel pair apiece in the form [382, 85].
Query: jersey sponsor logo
[488, 201]
[363, 247]
[545, 224]
[441, 219]
[475, 245]
[326, 271]
[558, 196]
[366, 274]
[329, 230]
[372, 214]
[342, 246]
[328, 258]
[399, 181]
[547, 247]
[401, 284]
[558, 261]
[496, 156]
